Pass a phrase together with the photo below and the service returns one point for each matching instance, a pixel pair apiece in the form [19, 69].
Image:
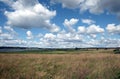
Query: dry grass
[60, 66]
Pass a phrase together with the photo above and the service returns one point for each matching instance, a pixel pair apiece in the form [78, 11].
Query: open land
[90, 64]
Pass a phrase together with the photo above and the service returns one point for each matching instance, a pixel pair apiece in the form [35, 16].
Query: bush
[117, 76]
[117, 51]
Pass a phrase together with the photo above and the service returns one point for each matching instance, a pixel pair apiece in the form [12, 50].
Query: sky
[60, 23]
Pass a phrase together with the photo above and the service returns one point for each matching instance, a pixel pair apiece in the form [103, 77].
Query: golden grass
[60, 66]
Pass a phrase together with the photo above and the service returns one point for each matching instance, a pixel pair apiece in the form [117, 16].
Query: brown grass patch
[60, 66]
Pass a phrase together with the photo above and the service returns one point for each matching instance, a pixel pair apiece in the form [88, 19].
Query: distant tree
[97, 48]
[76, 48]
[105, 48]
[117, 51]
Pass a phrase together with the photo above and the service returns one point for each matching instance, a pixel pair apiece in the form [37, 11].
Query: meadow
[91, 64]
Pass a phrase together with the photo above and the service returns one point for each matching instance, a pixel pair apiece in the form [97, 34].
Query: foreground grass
[60, 66]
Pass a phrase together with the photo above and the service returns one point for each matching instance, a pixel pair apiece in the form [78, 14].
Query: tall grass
[60, 66]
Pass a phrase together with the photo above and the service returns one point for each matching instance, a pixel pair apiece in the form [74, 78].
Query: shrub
[117, 51]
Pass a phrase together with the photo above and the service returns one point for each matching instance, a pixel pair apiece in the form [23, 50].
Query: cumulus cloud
[29, 35]
[81, 29]
[39, 35]
[10, 30]
[15, 42]
[110, 42]
[0, 29]
[70, 23]
[62, 39]
[83, 5]
[87, 21]
[50, 36]
[9, 33]
[93, 6]
[93, 35]
[112, 5]
[30, 13]
[69, 37]
[92, 29]
[68, 3]
[9, 38]
[8, 2]
[112, 28]
[6, 36]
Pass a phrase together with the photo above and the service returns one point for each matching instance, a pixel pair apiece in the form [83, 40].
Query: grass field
[101, 64]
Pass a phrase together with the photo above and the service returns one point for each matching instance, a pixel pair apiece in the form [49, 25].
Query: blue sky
[60, 23]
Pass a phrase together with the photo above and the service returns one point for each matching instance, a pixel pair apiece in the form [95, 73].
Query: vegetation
[60, 51]
[117, 51]
[80, 65]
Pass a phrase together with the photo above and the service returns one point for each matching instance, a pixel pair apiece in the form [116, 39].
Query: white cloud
[9, 33]
[92, 42]
[70, 37]
[0, 29]
[93, 35]
[91, 29]
[30, 13]
[112, 28]
[50, 36]
[81, 29]
[6, 36]
[9, 2]
[29, 35]
[70, 23]
[110, 42]
[87, 21]
[68, 3]
[14, 42]
[61, 39]
[93, 6]
[94, 29]
[10, 30]
[39, 35]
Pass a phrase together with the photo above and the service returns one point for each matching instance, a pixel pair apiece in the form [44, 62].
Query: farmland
[76, 64]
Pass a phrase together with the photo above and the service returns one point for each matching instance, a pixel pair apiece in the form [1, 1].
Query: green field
[91, 64]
